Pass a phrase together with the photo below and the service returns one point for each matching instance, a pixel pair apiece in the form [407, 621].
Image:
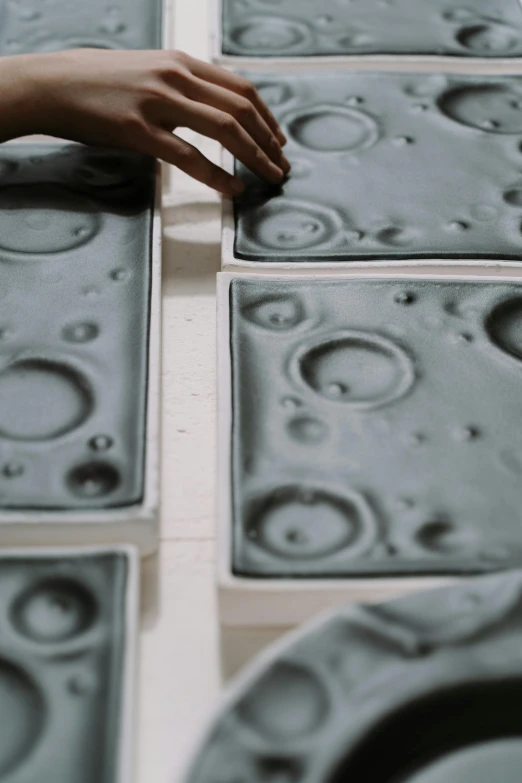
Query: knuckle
[248, 90]
[182, 58]
[245, 112]
[227, 125]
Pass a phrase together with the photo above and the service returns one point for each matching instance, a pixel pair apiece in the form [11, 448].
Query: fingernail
[281, 138]
[279, 174]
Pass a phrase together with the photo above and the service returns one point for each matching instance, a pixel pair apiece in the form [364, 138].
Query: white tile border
[137, 524]
[262, 601]
[269, 64]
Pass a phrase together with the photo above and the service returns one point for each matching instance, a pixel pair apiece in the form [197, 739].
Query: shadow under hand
[191, 248]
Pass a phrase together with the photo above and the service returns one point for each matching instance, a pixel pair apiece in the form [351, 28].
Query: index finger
[239, 85]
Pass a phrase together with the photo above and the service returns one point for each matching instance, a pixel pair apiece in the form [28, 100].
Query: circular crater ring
[374, 341]
[367, 525]
[368, 129]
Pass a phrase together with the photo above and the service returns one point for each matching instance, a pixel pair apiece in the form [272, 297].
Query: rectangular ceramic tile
[302, 29]
[68, 645]
[79, 280]
[42, 26]
[386, 166]
[373, 429]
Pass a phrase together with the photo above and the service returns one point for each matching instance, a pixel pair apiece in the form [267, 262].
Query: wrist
[22, 101]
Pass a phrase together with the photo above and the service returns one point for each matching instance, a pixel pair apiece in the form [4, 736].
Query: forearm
[19, 101]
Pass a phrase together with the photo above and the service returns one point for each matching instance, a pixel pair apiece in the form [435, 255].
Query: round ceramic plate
[424, 689]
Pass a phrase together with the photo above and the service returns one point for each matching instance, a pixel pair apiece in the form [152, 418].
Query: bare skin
[135, 99]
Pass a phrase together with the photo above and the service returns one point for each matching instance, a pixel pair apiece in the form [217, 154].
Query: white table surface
[179, 678]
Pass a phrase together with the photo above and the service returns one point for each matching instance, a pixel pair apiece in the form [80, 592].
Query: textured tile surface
[336, 702]
[375, 427]
[290, 28]
[389, 166]
[61, 662]
[51, 25]
[75, 256]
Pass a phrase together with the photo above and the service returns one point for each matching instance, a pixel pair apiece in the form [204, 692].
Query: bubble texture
[368, 400]
[337, 206]
[290, 28]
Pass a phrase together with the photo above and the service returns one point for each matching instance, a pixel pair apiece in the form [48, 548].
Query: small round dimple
[101, 443]
[54, 611]
[277, 313]
[487, 107]
[24, 717]
[443, 537]
[504, 326]
[416, 439]
[270, 34]
[403, 141]
[396, 236]
[120, 275]
[291, 403]
[324, 20]
[300, 523]
[307, 429]
[332, 128]
[513, 196]
[288, 702]
[93, 480]
[82, 684]
[355, 368]
[112, 26]
[488, 39]
[458, 226]
[404, 297]
[45, 218]
[465, 338]
[354, 100]
[41, 400]
[7, 167]
[81, 332]
[13, 470]
[467, 433]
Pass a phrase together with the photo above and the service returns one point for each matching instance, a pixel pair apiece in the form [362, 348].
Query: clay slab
[40, 26]
[79, 348]
[333, 701]
[299, 30]
[366, 437]
[386, 167]
[67, 664]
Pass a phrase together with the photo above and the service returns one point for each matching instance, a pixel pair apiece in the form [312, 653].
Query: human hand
[135, 99]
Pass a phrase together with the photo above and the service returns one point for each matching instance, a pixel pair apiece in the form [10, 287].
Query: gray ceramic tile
[376, 427]
[291, 28]
[421, 690]
[75, 257]
[52, 25]
[62, 650]
[389, 166]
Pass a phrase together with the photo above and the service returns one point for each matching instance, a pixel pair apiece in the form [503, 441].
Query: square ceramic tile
[372, 430]
[386, 167]
[79, 286]
[69, 624]
[290, 30]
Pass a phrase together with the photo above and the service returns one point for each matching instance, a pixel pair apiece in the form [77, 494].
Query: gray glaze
[300, 28]
[61, 660]
[52, 25]
[425, 689]
[375, 427]
[389, 166]
[75, 258]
